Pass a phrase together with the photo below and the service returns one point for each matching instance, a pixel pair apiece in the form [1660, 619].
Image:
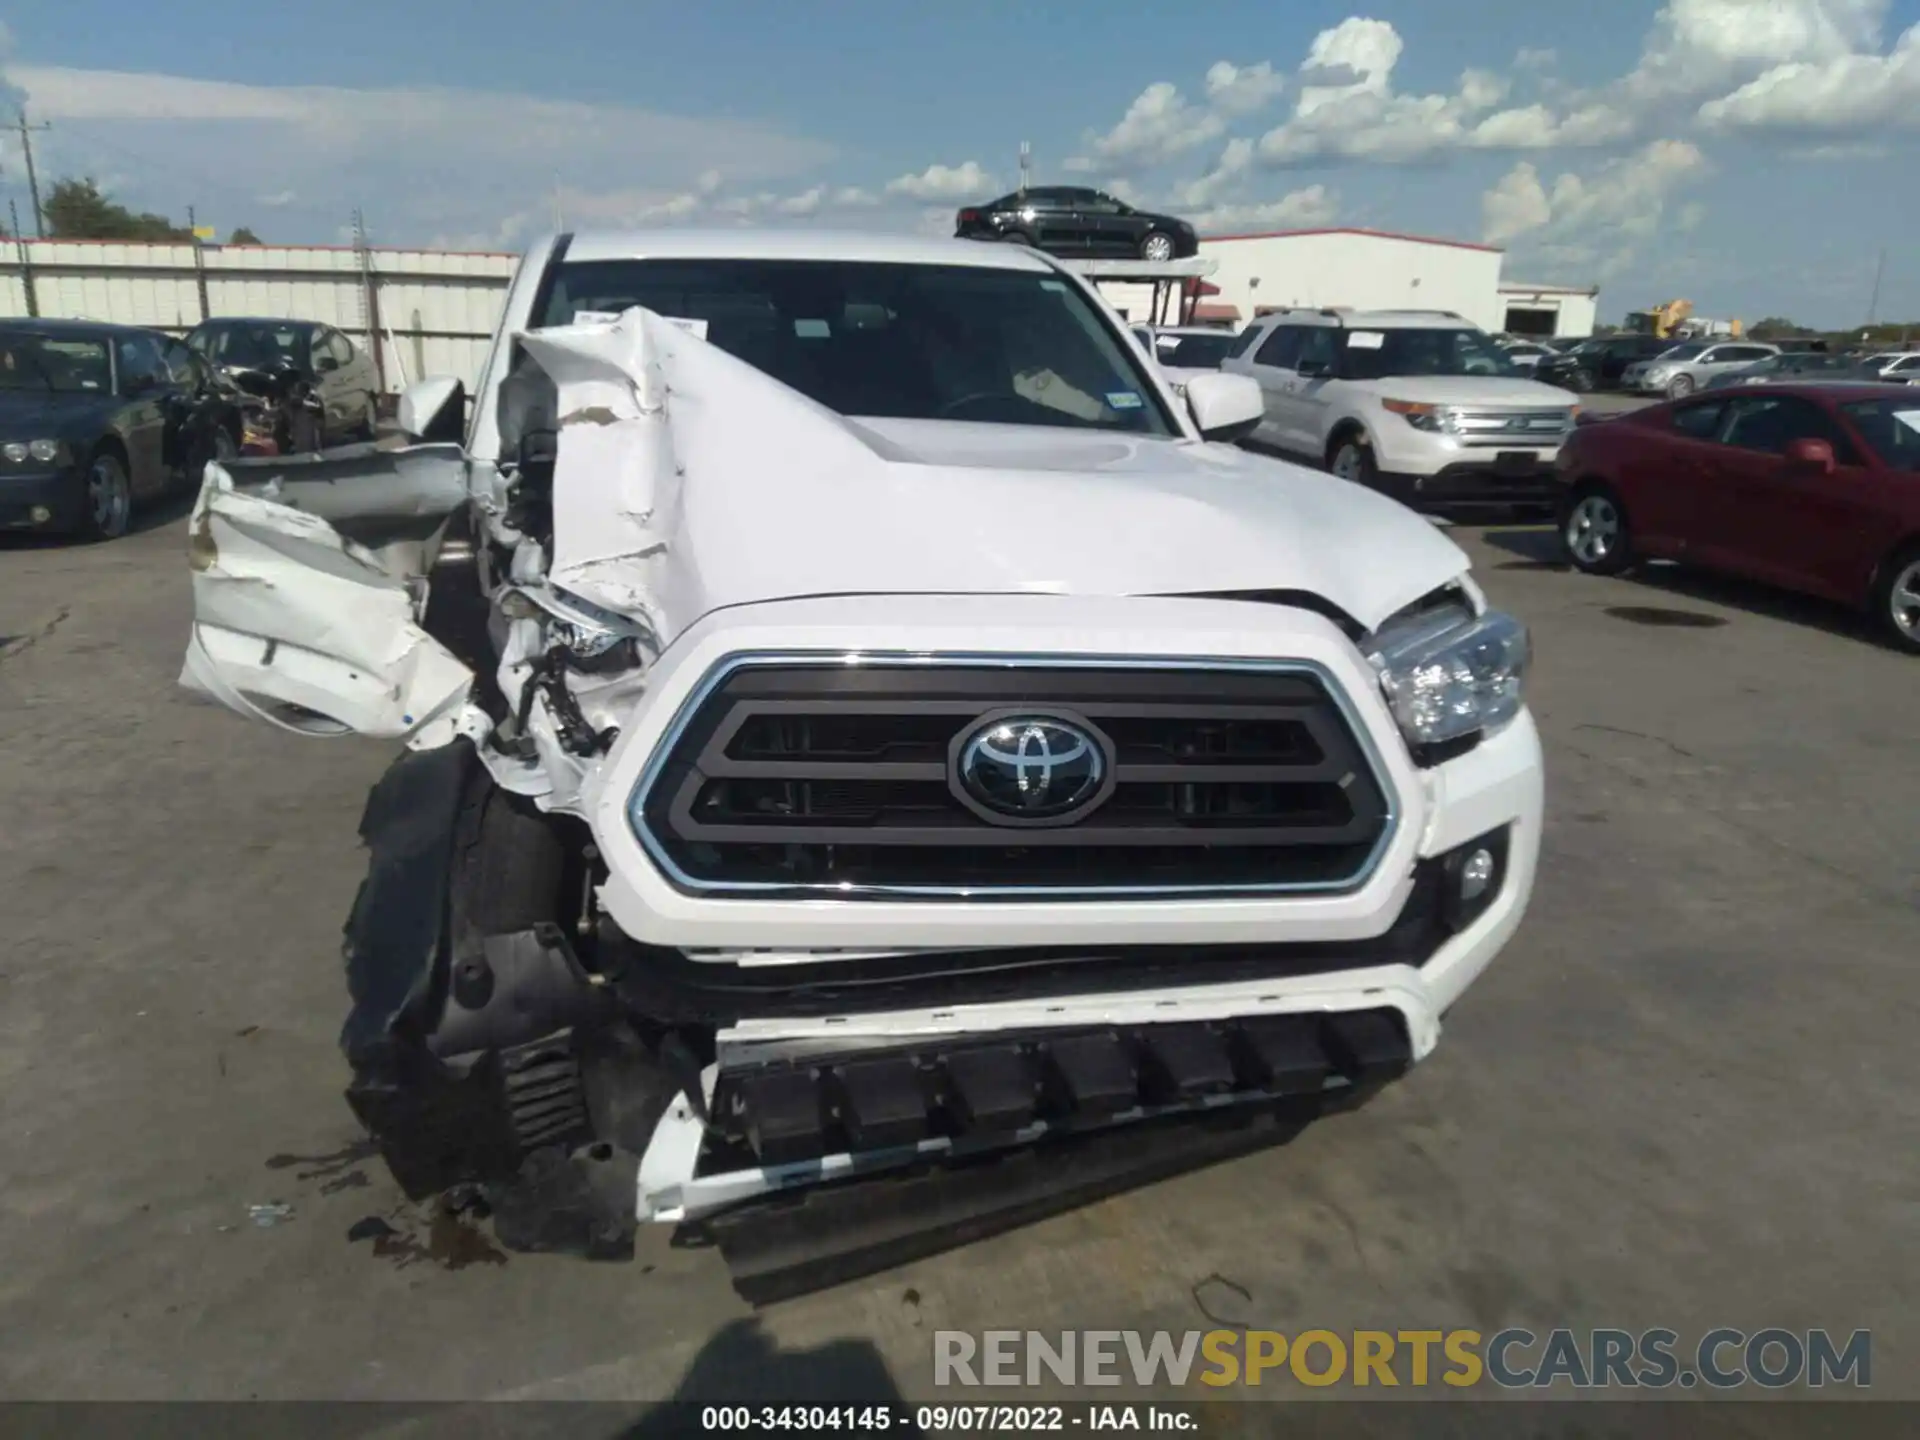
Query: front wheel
[1015, 237]
[1352, 459]
[108, 508]
[363, 429]
[1679, 387]
[1593, 531]
[1897, 600]
[1157, 246]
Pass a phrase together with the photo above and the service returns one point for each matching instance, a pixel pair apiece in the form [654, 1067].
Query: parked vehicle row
[100, 419]
[1814, 487]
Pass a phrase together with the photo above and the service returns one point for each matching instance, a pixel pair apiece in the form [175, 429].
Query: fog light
[40, 514]
[1471, 876]
[1476, 874]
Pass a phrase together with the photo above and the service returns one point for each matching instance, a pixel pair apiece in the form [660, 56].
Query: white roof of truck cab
[748, 244]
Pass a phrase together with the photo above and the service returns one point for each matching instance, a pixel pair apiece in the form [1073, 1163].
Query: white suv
[906, 732]
[1419, 403]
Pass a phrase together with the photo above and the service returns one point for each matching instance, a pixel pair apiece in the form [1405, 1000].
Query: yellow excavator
[1669, 321]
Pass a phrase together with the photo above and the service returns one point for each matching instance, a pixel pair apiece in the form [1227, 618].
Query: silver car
[1688, 367]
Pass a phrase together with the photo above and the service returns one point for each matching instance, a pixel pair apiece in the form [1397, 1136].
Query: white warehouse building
[1375, 270]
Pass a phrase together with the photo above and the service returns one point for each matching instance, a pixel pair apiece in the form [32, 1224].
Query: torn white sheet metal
[687, 481]
[300, 626]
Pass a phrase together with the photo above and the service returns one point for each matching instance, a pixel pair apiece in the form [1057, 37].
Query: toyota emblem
[1031, 768]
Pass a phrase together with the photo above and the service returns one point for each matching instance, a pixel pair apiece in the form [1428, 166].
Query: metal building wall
[1359, 269]
[436, 309]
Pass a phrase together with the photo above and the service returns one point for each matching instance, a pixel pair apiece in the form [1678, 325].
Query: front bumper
[831, 1066]
[1526, 479]
[58, 492]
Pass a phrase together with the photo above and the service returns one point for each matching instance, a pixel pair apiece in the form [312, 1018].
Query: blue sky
[1751, 155]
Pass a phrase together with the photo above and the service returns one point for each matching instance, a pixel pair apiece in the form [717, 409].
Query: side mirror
[434, 410]
[1814, 455]
[1311, 369]
[1225, 407]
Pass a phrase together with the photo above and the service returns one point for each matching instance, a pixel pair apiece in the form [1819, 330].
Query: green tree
[244, 236]
[81, 210]
[1772, 325]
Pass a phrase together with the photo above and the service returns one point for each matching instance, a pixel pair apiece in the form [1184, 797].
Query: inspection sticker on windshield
[1122, 400]
[1365, 340]
[695, 328]
[595, 317]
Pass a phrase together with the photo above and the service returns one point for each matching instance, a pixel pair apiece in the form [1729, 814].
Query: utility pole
[33, 180]
[199, 265]
[1026, 165]
[1873, 301]
[26, 263]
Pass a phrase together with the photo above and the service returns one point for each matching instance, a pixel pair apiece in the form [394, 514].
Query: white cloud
[1349, 110]
[945, 182]
[1315, 205]
[1235, 162]
[1595, 222]
[1242, 89]
[1533, 58]
[277, 199]
[1698, 46]
[1159, 125]
[1517, 204]
[1843, 94]
[477, 165]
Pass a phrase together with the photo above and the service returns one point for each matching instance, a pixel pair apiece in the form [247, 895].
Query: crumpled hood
[1477, 392]
[688, 481]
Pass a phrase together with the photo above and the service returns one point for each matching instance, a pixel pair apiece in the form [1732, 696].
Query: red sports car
[1812, 487]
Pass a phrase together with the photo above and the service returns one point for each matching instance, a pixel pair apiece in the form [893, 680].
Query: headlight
[18, 451]
[1446, 675]
[1431, 418]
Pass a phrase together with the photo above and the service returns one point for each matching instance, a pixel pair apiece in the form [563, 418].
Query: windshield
[911, 342]
[1681, 352]
[1381, 354]
[1891, 429]
[1194, 352]
[53, 362]
[253, 347]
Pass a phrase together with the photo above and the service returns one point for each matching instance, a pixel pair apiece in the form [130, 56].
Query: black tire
[106, 498]
[1896, 593]
[1350, 457]
[1594, 534]
[364, 428]
[1584, 382]
[1158, 239]
[1681, 386]
[1015, 237]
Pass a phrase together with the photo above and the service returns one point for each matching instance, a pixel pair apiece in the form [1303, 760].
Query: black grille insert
[838, 778]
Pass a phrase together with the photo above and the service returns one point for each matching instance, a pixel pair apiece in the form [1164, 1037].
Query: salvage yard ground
[1684, 1097]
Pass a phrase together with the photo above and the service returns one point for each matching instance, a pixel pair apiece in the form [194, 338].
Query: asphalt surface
[1684, 1097]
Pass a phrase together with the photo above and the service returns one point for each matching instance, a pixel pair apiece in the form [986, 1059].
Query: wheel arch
[1908, 544]
[1347, 427]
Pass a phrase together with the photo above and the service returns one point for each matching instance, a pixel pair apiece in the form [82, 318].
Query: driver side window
[1280, 349]
[141, 366]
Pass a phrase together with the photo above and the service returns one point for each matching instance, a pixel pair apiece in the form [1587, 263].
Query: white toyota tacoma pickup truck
[856, 719]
